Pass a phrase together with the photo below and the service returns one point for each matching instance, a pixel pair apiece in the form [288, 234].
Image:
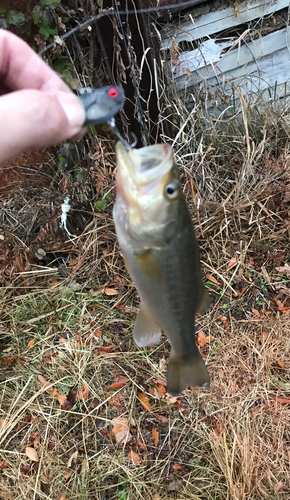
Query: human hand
[37, 109]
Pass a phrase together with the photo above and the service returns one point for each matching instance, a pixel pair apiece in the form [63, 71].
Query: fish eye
[171, 190]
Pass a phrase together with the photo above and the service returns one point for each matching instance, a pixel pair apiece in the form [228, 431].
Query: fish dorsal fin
[146, 330]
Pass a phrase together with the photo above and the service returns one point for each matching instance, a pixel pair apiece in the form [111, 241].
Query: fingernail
[73, 109]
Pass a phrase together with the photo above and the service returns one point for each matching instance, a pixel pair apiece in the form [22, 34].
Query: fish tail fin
[186, 372]
[204, 300]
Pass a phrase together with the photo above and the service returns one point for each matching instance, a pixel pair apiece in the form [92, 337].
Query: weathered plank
[214, 22]
[237, 62]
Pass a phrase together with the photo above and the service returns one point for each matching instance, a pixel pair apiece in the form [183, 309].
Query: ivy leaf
[46, 30]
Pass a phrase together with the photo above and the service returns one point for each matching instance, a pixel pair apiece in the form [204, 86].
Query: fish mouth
[144, 165]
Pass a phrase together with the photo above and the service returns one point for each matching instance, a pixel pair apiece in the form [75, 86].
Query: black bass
[156, 236]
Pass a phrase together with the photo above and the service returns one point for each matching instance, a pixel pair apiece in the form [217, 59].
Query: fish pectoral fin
[182, 373]
[146, 330]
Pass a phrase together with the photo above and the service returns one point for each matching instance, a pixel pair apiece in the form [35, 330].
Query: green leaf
[46, 30]
[92, 130]
[100, 205]
[52, 3]
[60, 64]
[80, 176]
[2, 11]
[106, 127]
[36, 12]
[15, 18]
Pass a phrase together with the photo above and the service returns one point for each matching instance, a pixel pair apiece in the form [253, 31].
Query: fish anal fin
[182, 373]
[146, 330]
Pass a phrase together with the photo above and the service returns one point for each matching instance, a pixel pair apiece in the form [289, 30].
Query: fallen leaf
[177, 467]
[202, 339]
[61, 340]
[97, 333]
[44, 382]
[28, 419]
[283, 269]
[255, 312]
[279, 486]
[151, 391]
[281, 363]
[30, 344]
[108, 348]
[62, 399]
[54, 284]
[155, 435]
[67, 474]
[31, 453]
[218, 429]
[282, 401]
[109, 291]
[47, 360]
[136, 459]
[173, 486]
[83, 393]
[53, 392]
[62, 496]
[144, 401]
[2, 422]
[141, 445]
[212, 279]
[264, 336]
[74, 456]
[28, 329]
[4, 464]
[121, 429]
[121, 380]
[232, 262]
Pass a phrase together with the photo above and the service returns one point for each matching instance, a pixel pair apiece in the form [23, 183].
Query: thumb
[35, 119]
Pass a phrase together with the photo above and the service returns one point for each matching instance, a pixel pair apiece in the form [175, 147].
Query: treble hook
[115, 131]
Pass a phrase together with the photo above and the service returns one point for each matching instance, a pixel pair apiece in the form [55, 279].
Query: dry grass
[232, 441]
[229, 443]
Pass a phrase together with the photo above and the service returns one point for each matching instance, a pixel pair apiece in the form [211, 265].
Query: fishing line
[112, 12]
[143, 120]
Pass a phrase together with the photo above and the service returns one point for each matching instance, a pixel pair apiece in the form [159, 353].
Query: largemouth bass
[156, 236]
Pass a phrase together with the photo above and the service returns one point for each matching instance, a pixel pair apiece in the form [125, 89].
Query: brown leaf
[255, 312]
[121, 380]
[109, 291]
[136, 459]
[28, 329]
[218, 429]
[73, 456]
[47, 360]
[264, 336]
[279, 486]
[141, 445]
[281, 363]
[108, 348]
[212, 279]
[177, 467]
[53, 392]
[121, 429]
[44, 382]
[2, 422]
[4, 464]
[144, 401]
[97, 333]
[282, 401]
[155, 435]
[283, 269]
[202, 339]
[67, 474]
[31, 453]
[83, 393]
[232, 262]
[62, 496]
[30, 344]
[28, 419]
[62, 399]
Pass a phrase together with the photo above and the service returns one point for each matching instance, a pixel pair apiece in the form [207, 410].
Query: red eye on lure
[113, 93]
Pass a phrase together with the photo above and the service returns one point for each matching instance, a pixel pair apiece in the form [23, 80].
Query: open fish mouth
[144, 165]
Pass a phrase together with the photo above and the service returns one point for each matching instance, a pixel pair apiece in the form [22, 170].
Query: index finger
[22, 68]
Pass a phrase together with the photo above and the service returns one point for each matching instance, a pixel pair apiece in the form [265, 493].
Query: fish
[156, 236]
